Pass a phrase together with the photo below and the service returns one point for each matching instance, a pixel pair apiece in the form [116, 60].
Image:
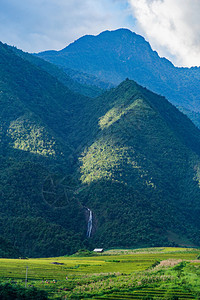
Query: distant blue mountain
[115, 55]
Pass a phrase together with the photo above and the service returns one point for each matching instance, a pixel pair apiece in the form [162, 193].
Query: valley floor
[153, 273]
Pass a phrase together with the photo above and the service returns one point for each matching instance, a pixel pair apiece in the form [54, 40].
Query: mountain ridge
[116, 55]
[128, 155]
[36, 160]
[135, 166]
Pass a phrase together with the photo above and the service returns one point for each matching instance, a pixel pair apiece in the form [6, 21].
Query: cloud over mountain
[172, 27]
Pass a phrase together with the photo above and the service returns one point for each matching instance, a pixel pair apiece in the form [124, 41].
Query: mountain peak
[115, 55]
[111, 55]
[119, 36]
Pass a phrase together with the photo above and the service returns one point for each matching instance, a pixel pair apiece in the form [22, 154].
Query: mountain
[127, 155]
[115, 55]
[76, 81]
[141, 172]
[39, 213]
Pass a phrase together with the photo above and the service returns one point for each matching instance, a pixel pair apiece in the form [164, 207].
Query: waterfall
[89, 228]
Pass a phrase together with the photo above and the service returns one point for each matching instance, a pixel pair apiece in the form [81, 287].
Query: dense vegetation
[139, 172]
[38, 211]
[128, 155]
[115, 55]
[157, 273]
[78, 82]
[7, 250]
[10, 292]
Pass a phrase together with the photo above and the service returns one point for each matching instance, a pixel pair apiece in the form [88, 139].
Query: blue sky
[171, 26]
[35, 25]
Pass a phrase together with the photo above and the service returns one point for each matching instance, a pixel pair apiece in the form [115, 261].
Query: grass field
[153, 273]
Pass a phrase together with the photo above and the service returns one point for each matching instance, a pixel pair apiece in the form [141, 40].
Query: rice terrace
[151, 273]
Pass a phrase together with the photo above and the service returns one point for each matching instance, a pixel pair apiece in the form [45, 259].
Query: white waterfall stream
[89, 228]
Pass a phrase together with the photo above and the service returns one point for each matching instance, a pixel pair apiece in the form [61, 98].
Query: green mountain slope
[78, 82]
[115, 55]
[7, 250]
[141, 172]
[128, 155]
[38, 209]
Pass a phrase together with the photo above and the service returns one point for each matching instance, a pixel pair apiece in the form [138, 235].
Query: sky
[171, 26]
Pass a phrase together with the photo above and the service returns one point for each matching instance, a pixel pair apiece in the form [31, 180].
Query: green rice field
[153, 273]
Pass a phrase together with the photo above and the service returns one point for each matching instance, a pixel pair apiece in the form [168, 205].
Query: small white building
[98, 250]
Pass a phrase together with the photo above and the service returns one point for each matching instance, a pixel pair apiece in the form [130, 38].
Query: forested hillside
[128, 155]
[7, 250]
[142, 171]
[78, 82]
[38, 212]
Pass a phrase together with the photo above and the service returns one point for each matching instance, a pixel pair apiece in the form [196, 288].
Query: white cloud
[37, 25]
[172, 27]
